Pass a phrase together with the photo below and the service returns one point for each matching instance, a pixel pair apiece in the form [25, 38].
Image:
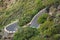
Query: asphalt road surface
[34, 22]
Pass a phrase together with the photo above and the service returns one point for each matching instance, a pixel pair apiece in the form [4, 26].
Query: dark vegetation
[43, 18]
[26, 33]
[24, 10]
[48, 30]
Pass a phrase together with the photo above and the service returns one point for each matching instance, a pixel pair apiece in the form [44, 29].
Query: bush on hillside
[42, 18]
[26, 33]
[50, 31]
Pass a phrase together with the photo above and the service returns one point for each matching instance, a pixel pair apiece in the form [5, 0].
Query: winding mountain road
[33, 22]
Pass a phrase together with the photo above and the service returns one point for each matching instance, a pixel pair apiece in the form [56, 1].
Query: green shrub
[42, 18]
[46, 25]
[50, 31]
[25, 33]
[56, 37]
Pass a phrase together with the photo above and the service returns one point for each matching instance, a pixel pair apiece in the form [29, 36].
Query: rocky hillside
[6, 3]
